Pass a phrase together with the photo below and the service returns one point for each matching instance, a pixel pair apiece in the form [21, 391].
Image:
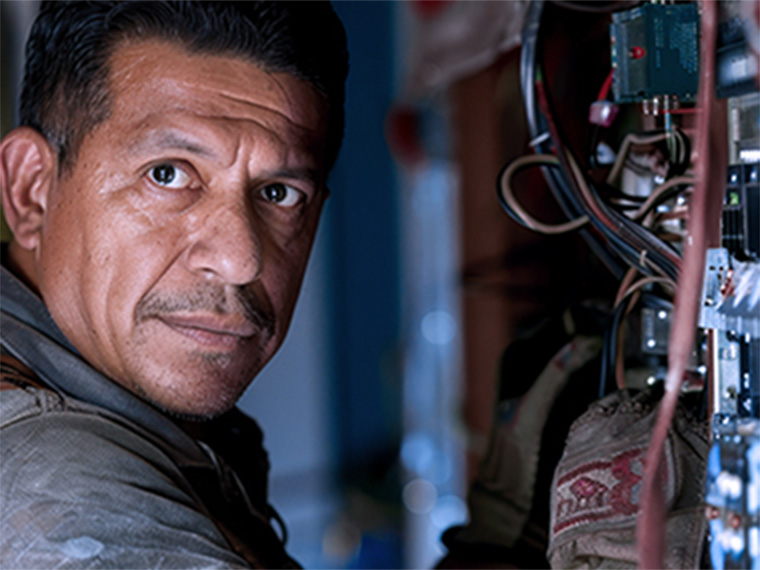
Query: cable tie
[539, 139]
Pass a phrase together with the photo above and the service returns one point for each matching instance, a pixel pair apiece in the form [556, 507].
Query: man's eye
[169, 176]
[282, 195]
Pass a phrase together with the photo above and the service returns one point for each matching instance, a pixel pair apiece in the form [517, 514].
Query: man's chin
[198, 408]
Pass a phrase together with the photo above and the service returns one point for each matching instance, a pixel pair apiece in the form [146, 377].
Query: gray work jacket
[91, 476]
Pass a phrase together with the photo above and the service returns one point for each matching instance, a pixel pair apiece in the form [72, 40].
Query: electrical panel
[630, 197]
[730, 313]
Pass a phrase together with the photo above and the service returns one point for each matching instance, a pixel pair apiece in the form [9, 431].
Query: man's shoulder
[48, 436]
[52, 438]
[85, 486]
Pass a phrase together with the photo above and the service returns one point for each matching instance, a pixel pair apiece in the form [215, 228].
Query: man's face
[172, 254]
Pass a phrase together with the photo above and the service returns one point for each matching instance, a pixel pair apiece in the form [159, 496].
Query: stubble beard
[206, 391]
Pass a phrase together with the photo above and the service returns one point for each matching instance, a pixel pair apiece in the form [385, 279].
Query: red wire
[606, 86]
[703, 227]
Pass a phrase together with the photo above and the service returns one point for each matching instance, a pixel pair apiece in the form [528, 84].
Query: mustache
[209, 299]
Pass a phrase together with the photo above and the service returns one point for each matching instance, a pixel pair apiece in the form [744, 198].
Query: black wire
[642, 239]
[612, 245]
[593, 145]
[537, 127]
[607, 382]
[609, 350]
[528, 65]
[627, 238]
[537, 124]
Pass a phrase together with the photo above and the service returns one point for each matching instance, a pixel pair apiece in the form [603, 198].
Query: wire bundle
[627, 234]
[617, 239]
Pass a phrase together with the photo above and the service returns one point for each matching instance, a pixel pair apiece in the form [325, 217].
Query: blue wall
[363, 221]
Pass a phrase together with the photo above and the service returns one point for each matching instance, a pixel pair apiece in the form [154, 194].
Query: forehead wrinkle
[169, 138]
[185, 129]
[194, 94]
[223, 130]
[268, 110]
[208, 116]
[129, 59]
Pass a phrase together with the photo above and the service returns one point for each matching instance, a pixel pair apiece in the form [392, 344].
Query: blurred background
[378, 408]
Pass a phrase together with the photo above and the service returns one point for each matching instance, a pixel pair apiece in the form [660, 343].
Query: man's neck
[20, 262]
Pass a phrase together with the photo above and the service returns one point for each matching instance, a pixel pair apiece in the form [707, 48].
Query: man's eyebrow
[170, 140]
[304, 174]
[173, 140]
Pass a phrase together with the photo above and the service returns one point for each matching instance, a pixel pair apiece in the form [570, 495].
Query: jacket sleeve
[78, 490]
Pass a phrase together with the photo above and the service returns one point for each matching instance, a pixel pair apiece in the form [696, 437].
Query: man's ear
[28, 171]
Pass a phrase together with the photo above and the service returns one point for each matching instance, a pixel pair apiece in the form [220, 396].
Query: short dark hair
[65, 89]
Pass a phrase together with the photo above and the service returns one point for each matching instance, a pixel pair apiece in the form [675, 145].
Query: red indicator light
[637, 52]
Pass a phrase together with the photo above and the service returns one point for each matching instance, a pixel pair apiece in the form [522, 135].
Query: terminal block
[741, 211]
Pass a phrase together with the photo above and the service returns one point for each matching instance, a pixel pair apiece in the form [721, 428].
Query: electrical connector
[602, 113]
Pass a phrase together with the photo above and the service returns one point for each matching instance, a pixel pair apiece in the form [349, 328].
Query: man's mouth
[214, 331]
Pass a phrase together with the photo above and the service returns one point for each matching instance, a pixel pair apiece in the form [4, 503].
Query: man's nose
[226, 246]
